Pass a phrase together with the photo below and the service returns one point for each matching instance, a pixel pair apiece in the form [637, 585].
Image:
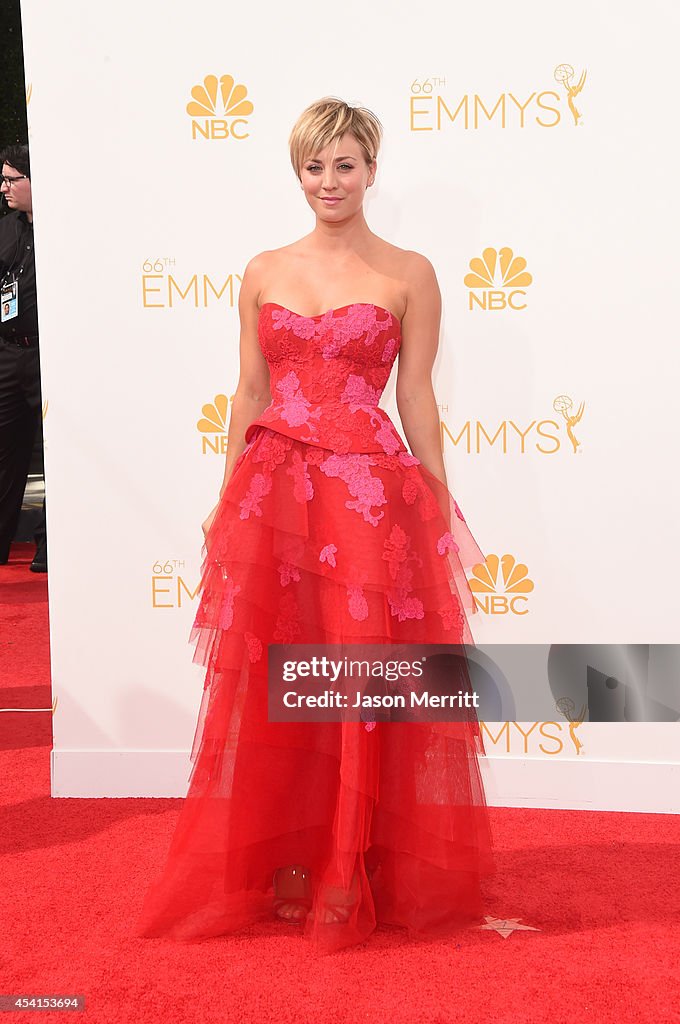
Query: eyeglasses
[10, 181]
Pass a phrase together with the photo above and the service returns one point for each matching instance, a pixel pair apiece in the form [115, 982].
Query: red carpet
[602, 888]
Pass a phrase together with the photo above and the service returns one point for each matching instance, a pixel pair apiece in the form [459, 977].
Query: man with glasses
[20, 393]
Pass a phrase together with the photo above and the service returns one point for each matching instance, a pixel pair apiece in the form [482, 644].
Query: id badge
[9, 301]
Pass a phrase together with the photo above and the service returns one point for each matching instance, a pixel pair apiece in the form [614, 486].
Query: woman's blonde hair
[328, 119]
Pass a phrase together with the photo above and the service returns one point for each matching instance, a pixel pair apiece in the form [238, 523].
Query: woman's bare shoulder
[262, 263]
[406, 263]
[257, 272]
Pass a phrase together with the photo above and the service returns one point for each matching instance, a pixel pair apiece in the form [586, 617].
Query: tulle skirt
[311, 547]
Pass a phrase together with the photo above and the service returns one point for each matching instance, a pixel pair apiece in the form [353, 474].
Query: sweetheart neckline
[335, 309]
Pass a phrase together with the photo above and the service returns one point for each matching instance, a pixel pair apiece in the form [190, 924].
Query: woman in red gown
[329, 530]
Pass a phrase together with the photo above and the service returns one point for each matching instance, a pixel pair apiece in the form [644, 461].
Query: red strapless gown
[328, 531]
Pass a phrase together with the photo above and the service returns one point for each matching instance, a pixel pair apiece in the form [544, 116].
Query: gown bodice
[327, 373]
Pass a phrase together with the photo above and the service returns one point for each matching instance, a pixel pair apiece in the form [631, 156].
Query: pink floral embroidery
[320, 365]
[387, 438]
[288, 621]
[409, 490]
[355, 470]
[339, 441]
[397, 553]
[327, 554]
[314, 456]
[362, 397]
[254, 645]
[227, 610]
[357, 603]
[272, 449]
[403, 606]
[295, 408]
[358, 320]
[260, 485]
[407, 459]
[396, 550]
[302, 326]
[303, 489]
[452, 617]
[446, 543]
[389, 350]
[288, 572]
[359, 394]
[324, 380]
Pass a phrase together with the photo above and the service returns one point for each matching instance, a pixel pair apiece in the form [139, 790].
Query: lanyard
[11, 273]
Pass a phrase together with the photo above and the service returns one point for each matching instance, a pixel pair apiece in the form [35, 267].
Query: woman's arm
[419, 343]
[252, 391]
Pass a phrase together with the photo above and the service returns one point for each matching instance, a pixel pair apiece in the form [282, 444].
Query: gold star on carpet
[505, 926]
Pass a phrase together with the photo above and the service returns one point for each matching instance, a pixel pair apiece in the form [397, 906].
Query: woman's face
[335, 179]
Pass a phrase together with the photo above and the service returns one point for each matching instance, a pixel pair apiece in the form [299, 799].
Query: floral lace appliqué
[254, 645]
[355, 470]
[327, 375]
[303, 489]
[357, 603]
[288, 626]
[288, 572]
[446, 543]
[295, 407]
[398, 555]
[327, 554]
[452, 616]
[260, 485]
[227, 610]
[272, 449]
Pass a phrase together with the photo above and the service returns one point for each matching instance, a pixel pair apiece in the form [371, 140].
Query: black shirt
[17, 258]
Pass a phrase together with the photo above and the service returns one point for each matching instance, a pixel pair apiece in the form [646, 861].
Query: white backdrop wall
[145, 216]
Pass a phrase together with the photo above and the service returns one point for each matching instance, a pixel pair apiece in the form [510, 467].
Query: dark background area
[14, 128]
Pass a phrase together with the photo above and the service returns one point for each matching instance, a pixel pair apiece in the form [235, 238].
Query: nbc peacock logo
[500, 585]
[219, 109]
[212, 426]
[497, 280]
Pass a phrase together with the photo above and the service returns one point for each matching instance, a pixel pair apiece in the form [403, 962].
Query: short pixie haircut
[328, 119]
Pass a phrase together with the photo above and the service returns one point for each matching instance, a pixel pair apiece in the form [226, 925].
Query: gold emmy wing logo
[219, 116]
[564, 73]
[500, 585]
[213, 425]
[564, 405]
[565, 706]
[29, 92]
[490, 294]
